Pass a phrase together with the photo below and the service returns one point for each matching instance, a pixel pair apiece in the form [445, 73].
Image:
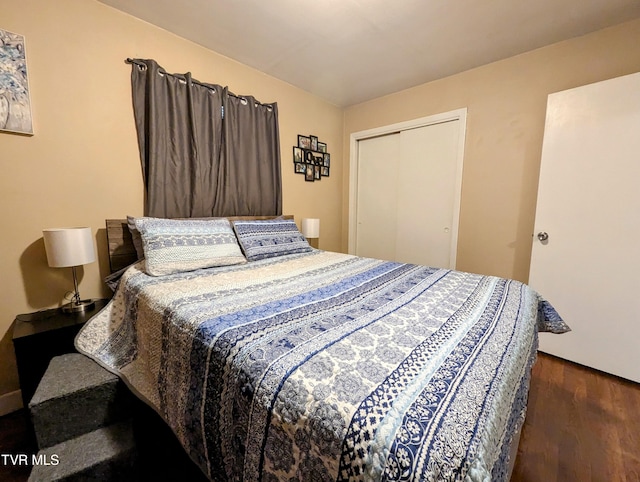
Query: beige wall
[82, 164]
[506, 104]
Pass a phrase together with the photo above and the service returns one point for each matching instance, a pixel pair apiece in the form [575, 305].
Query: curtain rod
[179, 76]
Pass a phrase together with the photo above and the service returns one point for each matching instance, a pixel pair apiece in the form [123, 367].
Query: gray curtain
[251, 153]
[195, 163]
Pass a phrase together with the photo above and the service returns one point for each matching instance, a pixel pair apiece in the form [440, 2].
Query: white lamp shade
[68, 247]
[311, 228]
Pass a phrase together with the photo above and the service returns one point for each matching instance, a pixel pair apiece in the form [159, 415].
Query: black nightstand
[40, 336]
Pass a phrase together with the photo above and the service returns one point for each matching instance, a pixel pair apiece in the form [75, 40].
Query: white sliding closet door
[377, 218]
[408, 195]
[426, 194]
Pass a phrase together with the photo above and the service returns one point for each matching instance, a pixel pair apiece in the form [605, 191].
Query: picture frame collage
[310, 158]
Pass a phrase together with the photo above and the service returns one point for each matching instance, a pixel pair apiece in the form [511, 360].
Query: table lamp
[311, 230]
[70, 247]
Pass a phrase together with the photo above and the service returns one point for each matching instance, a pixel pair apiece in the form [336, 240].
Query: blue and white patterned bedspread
[324, 366]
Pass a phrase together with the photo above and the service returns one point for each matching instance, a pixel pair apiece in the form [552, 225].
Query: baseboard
[10, 402]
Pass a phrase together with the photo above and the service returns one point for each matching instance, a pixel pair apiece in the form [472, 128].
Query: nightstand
[40, 336]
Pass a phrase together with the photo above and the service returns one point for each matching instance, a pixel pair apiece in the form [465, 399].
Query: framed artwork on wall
[309, 172]
[297, 154]
[15, 103]
[310, 157]
[304, 142]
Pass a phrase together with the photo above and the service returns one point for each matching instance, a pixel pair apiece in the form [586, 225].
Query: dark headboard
[122, 252]
[120, 243]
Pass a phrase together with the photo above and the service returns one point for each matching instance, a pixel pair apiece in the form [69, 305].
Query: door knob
[542, 236]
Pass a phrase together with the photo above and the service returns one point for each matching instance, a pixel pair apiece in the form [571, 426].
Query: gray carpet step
[76, 396]
[106, 454]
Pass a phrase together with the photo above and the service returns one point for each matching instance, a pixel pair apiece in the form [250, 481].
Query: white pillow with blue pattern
[269, 238]
[178, 245]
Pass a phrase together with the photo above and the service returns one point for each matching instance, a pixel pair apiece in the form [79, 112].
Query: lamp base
[78, 307]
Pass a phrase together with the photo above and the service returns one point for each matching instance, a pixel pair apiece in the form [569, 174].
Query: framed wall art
[310, 157]
[304, 142]
[309, 172]
[15, 103]
[297, 154]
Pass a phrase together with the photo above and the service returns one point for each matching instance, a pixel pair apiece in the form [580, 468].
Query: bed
[313, 365]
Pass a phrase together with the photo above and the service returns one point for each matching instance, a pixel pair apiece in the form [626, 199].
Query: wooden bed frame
[122, 252]
[120, 244]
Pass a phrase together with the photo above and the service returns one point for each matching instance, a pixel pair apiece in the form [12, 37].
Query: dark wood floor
[582, 426]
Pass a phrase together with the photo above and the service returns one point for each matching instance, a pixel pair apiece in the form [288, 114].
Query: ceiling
[350, 51]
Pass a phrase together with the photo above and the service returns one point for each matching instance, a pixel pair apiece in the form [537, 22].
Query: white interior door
[408, 188]
[589, 205]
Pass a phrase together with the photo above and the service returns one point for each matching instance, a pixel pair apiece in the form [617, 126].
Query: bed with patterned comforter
[326, 366]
